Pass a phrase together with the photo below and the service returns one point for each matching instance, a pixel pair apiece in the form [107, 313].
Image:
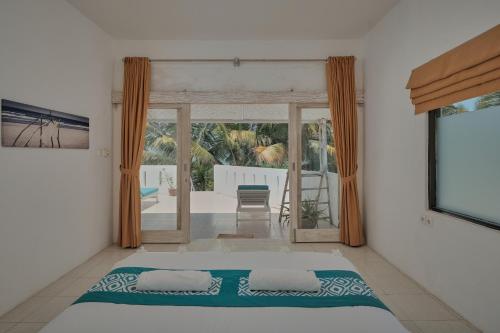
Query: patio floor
[211, 214]
[208, 202]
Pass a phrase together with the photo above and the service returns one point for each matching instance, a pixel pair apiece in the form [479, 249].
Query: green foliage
[272, 155]
[160, 147]
[311, 147]
[311, 214]
[202, 177]
[238, 144]
[481, 102]
[489, 100]
[452, 109]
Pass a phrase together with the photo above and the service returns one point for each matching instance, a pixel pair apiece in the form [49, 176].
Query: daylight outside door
[313, 175]
[164, 175]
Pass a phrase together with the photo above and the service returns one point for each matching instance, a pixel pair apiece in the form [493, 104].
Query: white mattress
[119, 318]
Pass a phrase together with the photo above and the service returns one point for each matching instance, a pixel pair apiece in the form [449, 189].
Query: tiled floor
[418, 310]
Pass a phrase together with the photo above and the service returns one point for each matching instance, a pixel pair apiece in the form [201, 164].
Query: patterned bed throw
[230, 288]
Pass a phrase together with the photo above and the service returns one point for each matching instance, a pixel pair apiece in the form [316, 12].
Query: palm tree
[311, 147]
[486, 101]
[450, 110]
[272, 155]
[237, 144]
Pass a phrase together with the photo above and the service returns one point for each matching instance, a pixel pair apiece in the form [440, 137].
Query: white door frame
[182, 234]
[294, 169]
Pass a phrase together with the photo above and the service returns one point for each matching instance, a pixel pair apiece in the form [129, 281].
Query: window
[464, 160]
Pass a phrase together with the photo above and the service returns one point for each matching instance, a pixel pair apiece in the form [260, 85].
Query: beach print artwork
[30, 126]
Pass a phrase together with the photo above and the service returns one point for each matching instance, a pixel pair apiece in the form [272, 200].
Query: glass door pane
[314, 172]
[234, 145]
[319, 178]
[161, 178]
[158, 173]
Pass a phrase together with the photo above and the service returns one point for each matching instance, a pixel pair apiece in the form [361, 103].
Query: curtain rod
[237, 61]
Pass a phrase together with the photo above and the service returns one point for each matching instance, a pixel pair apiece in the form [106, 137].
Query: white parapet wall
[156, 176]
[227, 178]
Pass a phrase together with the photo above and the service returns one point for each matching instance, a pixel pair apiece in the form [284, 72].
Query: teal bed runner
[230, 288]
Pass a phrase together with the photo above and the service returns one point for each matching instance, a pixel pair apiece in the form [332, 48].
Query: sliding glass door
[313, 175]
[203, 159]
[164, 175]
[235, 147]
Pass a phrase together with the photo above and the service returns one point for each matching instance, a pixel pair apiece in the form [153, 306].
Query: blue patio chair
[253, 199]
[149, 192]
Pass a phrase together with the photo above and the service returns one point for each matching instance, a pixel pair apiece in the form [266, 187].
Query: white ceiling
[234, 19]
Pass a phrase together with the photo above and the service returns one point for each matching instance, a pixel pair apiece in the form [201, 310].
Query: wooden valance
[469, 70]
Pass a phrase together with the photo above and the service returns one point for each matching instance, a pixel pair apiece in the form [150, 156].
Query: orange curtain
[342, 101]
[137, 77]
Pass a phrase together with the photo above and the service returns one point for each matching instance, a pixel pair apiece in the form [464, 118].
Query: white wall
[454, 259]
[249, 76]
[55, 204]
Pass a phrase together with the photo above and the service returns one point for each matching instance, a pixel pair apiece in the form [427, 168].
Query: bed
[110, 317]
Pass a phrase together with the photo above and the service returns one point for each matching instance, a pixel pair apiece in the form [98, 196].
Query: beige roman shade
[469, 70]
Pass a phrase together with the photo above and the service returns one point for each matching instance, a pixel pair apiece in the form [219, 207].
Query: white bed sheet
[119, 318]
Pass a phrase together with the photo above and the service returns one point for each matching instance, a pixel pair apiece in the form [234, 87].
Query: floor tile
[456, 326]
[24, 309]
[98, 271]
[5, 326]
[56, 287]
[303, 247]
[395, 283]
[239, 245]
[394, 306]
[79, 286]
[373, 285]
[411, 326]
[116, 248]
[161, 247]
[50, 310]
[199, 245]
[326, 247]
[375, 268]
[361, 254]
[26, 328]
[418, 307]
[84, 268]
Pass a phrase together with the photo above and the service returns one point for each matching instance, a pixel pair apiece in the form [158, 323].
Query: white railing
[227, 178]
[156, 175]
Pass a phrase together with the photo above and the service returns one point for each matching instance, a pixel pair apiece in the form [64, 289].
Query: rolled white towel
[284, 280]
[164, 280]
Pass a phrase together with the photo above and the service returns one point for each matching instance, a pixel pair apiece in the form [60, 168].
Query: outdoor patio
[211, 214]
[214, 212]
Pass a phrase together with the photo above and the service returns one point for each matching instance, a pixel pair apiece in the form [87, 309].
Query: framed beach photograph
[30, 126]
